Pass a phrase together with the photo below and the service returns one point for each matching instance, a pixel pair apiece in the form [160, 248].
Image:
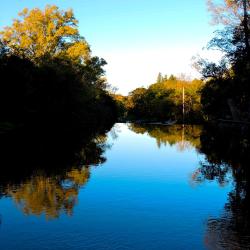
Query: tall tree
[46, 33]
[232, 13]
[159, 78]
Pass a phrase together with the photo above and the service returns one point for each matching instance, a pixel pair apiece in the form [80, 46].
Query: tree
[159, 78]
[228, 12]
[172, 78]
[232, 13]
[3, 49]
[46, 33]
[165, 78]
[226, 93]
[163, 101]
[48, 75]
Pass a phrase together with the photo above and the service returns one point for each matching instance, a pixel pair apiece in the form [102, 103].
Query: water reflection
[182, 136]
[227, 156]
[48, 195]
[228, 150]
[43, 175]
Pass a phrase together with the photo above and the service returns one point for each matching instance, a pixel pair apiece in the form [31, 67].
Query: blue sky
[138, 38]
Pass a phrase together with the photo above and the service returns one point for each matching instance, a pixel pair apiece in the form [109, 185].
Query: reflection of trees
[227, 156]
[227, 150]
[208, 171]
[43, 175]
[49, 195]
[183, 136]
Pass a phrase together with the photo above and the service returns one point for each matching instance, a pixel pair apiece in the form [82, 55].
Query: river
[135, 187]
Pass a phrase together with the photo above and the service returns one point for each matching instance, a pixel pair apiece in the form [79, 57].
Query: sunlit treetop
[46, 33]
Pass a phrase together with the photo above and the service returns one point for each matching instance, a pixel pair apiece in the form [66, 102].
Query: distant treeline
[162, 101]
[48, 76]
[223, 93]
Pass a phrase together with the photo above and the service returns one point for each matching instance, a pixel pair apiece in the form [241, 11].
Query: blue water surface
[143, 197]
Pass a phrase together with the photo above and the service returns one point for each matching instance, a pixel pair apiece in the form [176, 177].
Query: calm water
[150, 188]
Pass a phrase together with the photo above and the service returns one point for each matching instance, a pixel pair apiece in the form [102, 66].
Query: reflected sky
[143, 197]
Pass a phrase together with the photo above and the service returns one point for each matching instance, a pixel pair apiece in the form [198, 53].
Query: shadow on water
[43, 172]
[227, 155]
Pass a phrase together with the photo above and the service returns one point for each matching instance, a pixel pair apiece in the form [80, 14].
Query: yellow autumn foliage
[49, 32]
[49, 195]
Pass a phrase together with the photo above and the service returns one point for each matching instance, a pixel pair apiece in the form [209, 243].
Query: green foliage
[184, 136]
[163, 101]
[226, 93]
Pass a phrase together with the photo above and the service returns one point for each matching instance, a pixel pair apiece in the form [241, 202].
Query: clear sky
[138, 38]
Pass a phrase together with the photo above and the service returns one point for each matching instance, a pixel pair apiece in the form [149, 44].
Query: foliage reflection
[226, 151]
[43, 176]
[49, 195]
[183, 136]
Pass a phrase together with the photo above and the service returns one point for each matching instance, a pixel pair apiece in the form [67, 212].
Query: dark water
[136, 187]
